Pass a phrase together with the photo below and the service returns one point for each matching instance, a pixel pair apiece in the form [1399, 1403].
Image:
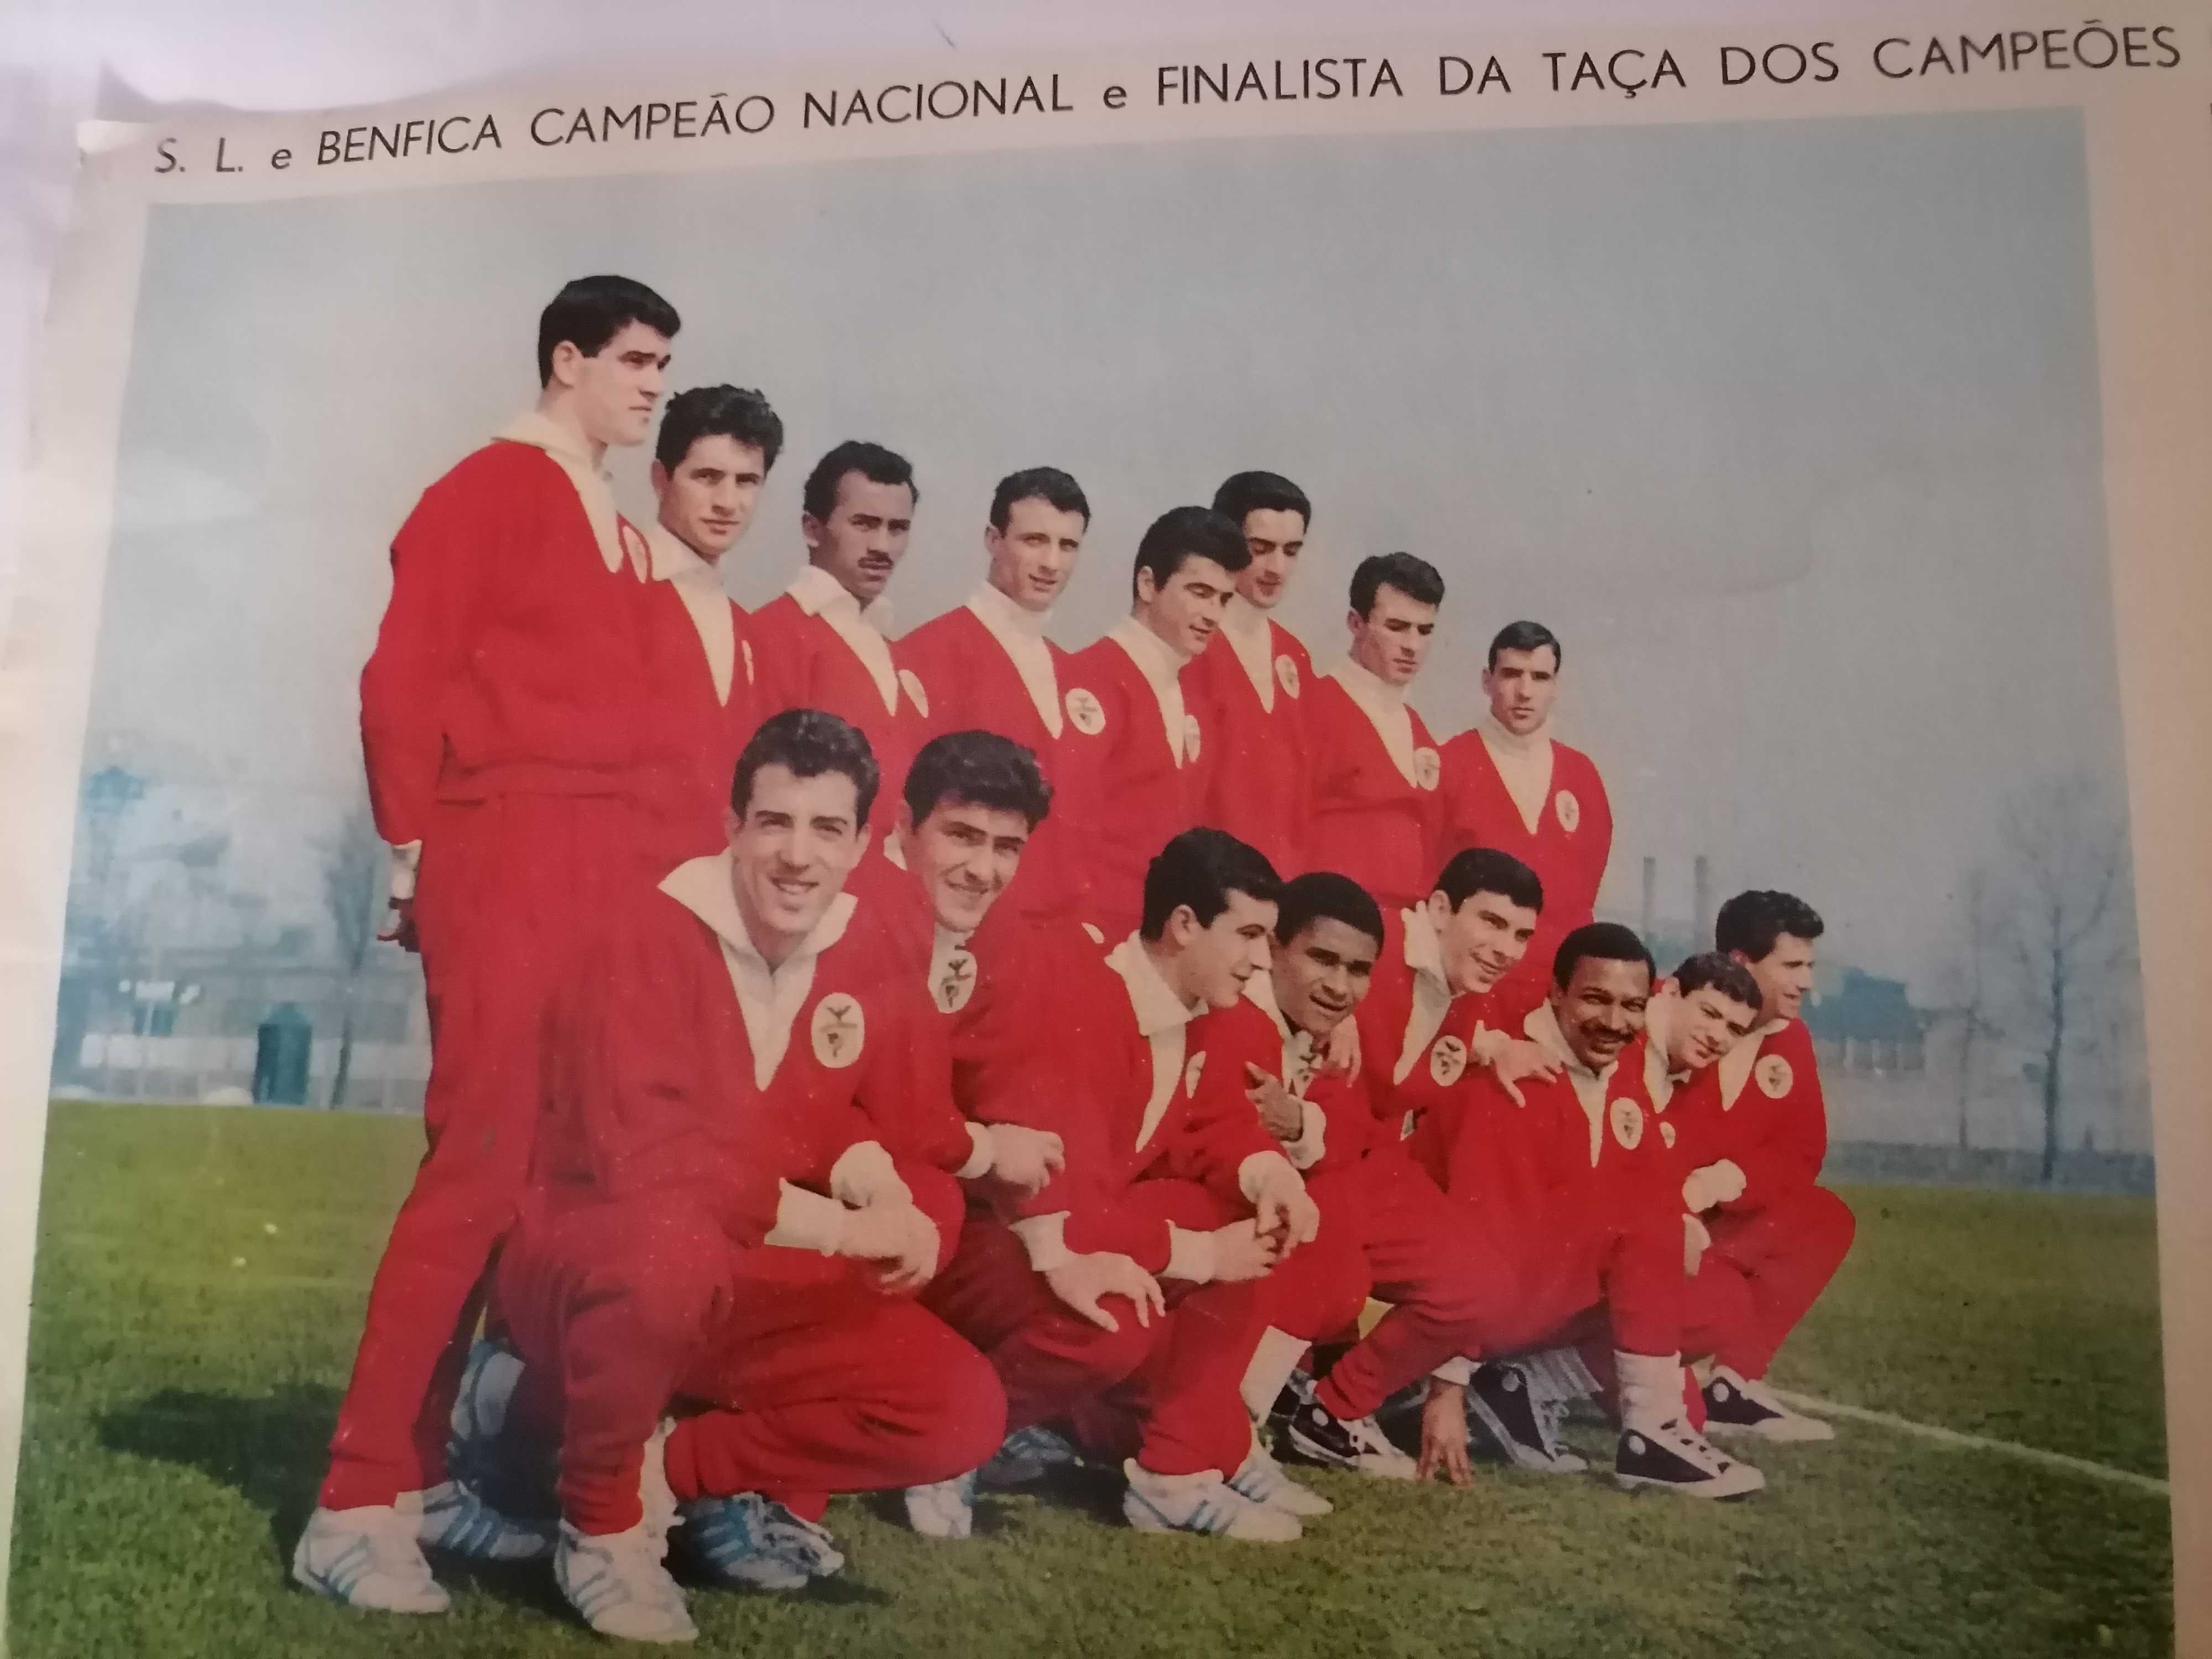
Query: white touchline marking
[1820, 1407]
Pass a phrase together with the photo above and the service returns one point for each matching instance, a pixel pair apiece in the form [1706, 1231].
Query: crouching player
[744, 1175]
[1575, 1186]
[1752, 1132]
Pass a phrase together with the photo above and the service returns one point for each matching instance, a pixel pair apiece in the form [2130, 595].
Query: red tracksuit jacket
[1369, 820]
[1257, 780]
[708, 728]
[1767, 1117]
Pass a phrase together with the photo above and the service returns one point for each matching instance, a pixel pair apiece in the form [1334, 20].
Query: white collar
[862, 628]
[1157, 1006]
[1736, 1064]
[703, 886]
[1020, 635]
[1160, 663]
[675, 559]
[1424, 952]
[1003, 615]
[1245, 619]
[1369, 690]
[1384, 705]
[1259, 992]
[1501, 737]
[585, 471]
[699, 586]
[1251, 637]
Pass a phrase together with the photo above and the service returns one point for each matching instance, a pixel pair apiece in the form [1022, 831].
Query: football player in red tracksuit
[1148, 1175]
[1573, 1184]
[824, 641]
[1130, 775]
[746, 1081]
[715, 447]
[1753, 1133]
[1376, 769]
[988, 666]
[1508, 784]
[508, 721]
[1248, 687]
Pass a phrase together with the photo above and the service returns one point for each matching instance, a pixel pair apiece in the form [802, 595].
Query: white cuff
[1255, 1172]
[1457, 1370]
[1045, 1238]
[406, 860]
[1486, 1045]
[979, 1159]
[863, 1174]
[1190, 1255]
[1313, 1130]
[807, 1221]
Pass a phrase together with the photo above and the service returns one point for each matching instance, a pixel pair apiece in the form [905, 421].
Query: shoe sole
[1707, 1489]
[1516, 1451]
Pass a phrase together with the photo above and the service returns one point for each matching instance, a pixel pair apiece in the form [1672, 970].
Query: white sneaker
[1675, 1457]
[617, 1583]
[456, 1519]
[1263, 1481]
[1203, 1502]
[654, 1491]
[945, 1509]
[1736, 1404]
[369, 1557]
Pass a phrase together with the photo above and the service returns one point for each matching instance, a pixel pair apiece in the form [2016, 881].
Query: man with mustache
[1249, 686]
[1508, 783]
[509, 727]
[1572, 1183]
[710, 461]
[1375, 768]
[824, 641]
[1752, 1132]
[1130, 776]
[988, 664]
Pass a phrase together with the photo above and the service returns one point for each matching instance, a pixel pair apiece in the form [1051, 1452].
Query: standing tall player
[988, 664]
[822, 643]
[1508, 784]
[507, 724]
[715, 447]
[1129, 775]
[1248, 687]
[1376, 769]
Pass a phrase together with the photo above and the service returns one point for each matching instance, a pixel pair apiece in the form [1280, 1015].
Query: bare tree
[2067, 862]
[355, 864]
[1977, 916]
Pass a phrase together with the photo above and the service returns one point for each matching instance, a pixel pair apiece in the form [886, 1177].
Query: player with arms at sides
[710, 460]
[746, 1107]
[1129, 776]
[1572, 1183]
[1066, 1297]
[1375, 768]
[1753, 1131]
[1509, 784]
[987, 662]
[1248, 687]
[824, 642]
[508, 720]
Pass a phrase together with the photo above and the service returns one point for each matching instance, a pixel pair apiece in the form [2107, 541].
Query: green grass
[201, 1278]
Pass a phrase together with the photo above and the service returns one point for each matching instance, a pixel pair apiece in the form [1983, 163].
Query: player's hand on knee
[1522, 1059]
[1242, 1252]
[1025, 1159]
[1083, 1282]
[1443, 1434]
[898, 1235]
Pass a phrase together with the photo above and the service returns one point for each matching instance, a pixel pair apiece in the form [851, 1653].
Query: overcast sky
[1790, 431]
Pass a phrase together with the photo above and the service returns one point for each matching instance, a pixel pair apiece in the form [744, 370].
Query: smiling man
[1376, 769]
[1131, 770]
[512, 742]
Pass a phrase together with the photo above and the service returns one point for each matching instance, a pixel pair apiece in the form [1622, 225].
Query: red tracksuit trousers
[1762, 1275]
[810, 1380]
[507, 891]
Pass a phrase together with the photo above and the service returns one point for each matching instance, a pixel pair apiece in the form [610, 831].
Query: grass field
[200, 1282]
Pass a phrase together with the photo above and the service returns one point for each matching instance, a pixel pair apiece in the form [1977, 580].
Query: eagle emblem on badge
[1774, 1076]
[1190, 1072]
[1627, 1122]
[1084, 712]
[1447, 1060]
[1428, 767]
[1667, 1134]
[1287, 674]
[955, 982]
[1190, 736]
[912, 681]
[1568, 809]
[839, 1030]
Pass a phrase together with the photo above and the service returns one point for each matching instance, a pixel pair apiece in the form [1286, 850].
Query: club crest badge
[1084, 712]
[1190, 736]
[1667, 1134]
[912, 682]
[1286, 675]
[839, 1030]
[746, 646]
[1428, 767]
[1627, 1122]
[1447, 1060]
[1190, 1072]
[1774, 1076]
[1568, 809]
[955, 982]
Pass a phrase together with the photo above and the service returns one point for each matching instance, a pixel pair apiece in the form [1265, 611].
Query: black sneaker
[1675, 1457]
[1294, 1393]
[1527, 1431]
[1320, 1437]
[1738, 1404]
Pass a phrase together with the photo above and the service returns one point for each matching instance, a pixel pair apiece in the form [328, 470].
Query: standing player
[1508, 783]
[1248, 687]
[1753, 1131]
[988, 664]
[507, 724]
[1129, 777]
[822, 642]
[715, 447]
[1376, 769]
